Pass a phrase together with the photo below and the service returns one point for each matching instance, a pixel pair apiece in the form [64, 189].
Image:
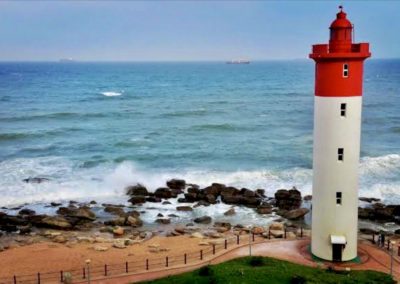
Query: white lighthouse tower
[337, 123]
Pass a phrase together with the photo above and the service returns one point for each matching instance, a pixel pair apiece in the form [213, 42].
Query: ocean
[94, 128]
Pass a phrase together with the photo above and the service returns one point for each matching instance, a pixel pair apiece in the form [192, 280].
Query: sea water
[94, 128]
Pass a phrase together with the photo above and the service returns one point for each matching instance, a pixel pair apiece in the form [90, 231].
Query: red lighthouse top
[340, 43]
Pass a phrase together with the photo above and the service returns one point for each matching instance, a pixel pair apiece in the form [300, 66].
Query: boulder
[230, 212]
[226, 225]
[55, 204]
[201, 203]
[288, 199]
[56, 222]
[120, 244]
[177, 184]
[229, 191]
[264, 209]
[26, 211]
[80, 213]
[258, 230]
[137, 199]
[163, 221]
[203, 220]
[276, 226]
[137, 189]
[118, 231]
[163, 192]
[153, 199]
[296, 213]
[277, 233]
[134, 221]
[191, 197]
[166, 202]
[307, 197]
[115, 210]
[120, 221]
[35, 180]
[184, 208]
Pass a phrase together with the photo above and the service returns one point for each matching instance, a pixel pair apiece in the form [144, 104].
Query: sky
[186, 30]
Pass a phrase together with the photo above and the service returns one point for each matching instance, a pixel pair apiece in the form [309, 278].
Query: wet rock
[163, 221]
[201, 203]
[173, 215]
[178, 184]
[163, 192]
[115, 210]
[226, 225]
[307, 197]
[24, 230]
[134, 221]
[230, 212]
[191, 197]
[26, 211]
[211, 198]
[93, 202]
[120, 221]
[137, 199]
[153, 199]
[132, 213]
[160, 215]
[203, 220]
[183, 200]
[81, 213]
[35, 180]
[296, 213]
[288, 199]
[260, 192]
[369, 199]
[264, 209]
[55, 204]
[166, 202]
[184, 208]
[137, 189]
[56, 222]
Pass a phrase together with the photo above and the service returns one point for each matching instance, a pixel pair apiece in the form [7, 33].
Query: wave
[219, 127]
[379, 177]
[111, 94]
[195, 112]
[55, 115]
[37, 134]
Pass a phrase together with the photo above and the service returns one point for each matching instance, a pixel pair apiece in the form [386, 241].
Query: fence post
[285, 233]
[373, 237]
[213, 249]
[237, 239]
[226, 244]
[126, 267]
[147, 264]
[185, 260]
[61, 276]
[83, 273]
[252, 237]
[301, 232]
[38, 278]
[388, 244]
[201, 254]
[15, 279]
[398, 250]
[269, 233]
[166, 261]
[105, 269]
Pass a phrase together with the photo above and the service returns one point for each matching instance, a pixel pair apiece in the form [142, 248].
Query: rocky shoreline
[77, 222]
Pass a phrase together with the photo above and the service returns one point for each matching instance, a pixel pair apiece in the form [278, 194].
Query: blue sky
[186, 30]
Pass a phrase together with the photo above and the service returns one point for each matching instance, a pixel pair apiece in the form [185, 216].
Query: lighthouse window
[345, 70]
[339, 198]
[342, 109]
[340, 154]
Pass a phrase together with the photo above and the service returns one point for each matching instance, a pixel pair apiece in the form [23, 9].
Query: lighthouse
[337, 132]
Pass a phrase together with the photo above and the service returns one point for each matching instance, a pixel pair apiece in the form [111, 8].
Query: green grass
[268, 270]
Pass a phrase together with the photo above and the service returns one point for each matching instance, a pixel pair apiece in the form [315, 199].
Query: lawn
[268, 270]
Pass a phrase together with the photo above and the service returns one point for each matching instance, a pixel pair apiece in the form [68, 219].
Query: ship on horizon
[238, 61]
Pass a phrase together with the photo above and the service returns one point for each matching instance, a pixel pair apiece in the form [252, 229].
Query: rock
[197, 235]
[93, 202]
[160, 215]
[166, 202]
[35, 180]
[120, 221]
[365, 213]
[290, 235]
[173, 215]
[120, 244]
[307, 197]
[60, 239]
[260, 192]
[132, 213]
[184, 208]
[201, 203]
[55, 204]
[163, 221]
[134, 221]
[288, 199]
[369, 199]
[55, 222]
[137, 199]
[163, 192]
[100, 248]
[115, 210]
[178, 184]
[119, 231]
[276, 226]
[153, 199]
[264, 209]
[85, 239]
[230, 212]
[81, 213]
[24, 230]
[180, 230]
[296, 213]
[277, 233]
[229, 191]
[191, 197]
[137, 189]
[27, 211]
[223, 225]
[257, 230]
[203, 220]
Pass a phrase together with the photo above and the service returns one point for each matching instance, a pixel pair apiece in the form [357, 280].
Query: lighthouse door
[337, 250]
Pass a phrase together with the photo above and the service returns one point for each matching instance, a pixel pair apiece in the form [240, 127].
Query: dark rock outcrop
[288, 199]
[203, 220]
[177, 184]
[137, 189]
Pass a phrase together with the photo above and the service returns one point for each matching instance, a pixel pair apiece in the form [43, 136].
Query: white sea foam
[379, 177]
[111, 94]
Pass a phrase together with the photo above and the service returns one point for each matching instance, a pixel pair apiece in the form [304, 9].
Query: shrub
[297, 279]
[256, 261]
[205, 271]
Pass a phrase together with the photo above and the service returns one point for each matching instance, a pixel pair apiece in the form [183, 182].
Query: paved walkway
[295, 251]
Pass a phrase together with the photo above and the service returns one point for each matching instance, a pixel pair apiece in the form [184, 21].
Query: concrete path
[295, 251]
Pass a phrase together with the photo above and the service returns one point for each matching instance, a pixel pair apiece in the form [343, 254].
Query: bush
[297, 279]
[205, 271]
[256, 261]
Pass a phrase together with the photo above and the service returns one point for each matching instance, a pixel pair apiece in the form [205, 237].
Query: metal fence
[140, 266]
